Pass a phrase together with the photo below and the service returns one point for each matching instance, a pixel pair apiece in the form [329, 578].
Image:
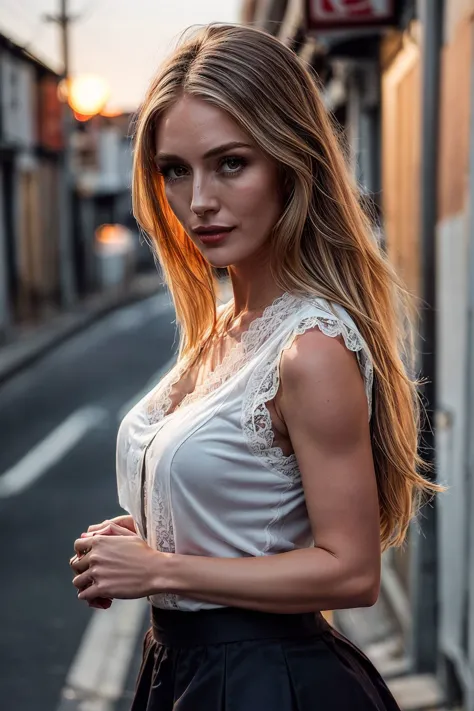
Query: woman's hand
[114, 563]
[122, 522]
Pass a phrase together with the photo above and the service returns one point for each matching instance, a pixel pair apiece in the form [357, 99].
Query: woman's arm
[324, 406]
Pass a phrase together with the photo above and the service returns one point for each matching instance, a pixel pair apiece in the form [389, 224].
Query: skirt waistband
[223, 625]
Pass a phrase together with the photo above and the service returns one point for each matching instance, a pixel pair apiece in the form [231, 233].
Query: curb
[35, 343]
[396, 598]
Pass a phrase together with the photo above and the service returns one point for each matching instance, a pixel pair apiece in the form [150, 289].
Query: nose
[203, 198]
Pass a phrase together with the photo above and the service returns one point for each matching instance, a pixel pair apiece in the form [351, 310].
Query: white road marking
[97, 676]
[121, 321]
[138, 314]
[154, 380]
[50, 450]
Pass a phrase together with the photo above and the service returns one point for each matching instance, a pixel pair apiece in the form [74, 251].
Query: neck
[252, 292]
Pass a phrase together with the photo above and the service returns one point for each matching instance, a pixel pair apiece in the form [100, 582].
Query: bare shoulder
[322, 385]
[313, 353]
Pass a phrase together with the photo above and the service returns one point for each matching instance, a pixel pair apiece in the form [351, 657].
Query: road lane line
[154, 380]
[98, 673]
[125, 320]
[137, 315]
[50, 450]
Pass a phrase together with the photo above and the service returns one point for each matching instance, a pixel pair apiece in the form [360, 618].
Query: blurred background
[86, 326]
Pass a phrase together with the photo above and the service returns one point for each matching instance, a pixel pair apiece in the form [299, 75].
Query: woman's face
[224, 191]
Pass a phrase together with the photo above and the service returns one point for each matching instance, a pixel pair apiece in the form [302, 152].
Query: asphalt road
[58, 425]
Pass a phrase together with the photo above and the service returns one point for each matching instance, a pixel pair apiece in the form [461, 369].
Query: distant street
[58, 424]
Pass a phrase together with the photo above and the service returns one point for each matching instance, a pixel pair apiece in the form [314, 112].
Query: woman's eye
[173, 172]
[233, 164]
[228, 166]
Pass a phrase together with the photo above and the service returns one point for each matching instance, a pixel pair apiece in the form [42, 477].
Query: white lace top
[205, 477]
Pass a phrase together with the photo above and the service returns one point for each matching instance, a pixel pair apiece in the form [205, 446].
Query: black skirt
[230, 659]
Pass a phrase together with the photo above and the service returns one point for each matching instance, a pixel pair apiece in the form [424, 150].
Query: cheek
[176, 201]
[257, 197]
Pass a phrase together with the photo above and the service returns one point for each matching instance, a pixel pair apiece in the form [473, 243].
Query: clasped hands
[112, 561]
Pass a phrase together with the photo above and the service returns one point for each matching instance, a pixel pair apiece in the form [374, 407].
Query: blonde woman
[266, 472]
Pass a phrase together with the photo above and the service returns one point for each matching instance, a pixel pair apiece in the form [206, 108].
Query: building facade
[398, 78]
[60, 182]
[30, 172]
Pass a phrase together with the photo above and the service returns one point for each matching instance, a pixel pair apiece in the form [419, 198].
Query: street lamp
[86, 94]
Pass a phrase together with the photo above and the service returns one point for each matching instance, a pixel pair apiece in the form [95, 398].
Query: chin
[219, 259]
[219, 263]
[222, 259]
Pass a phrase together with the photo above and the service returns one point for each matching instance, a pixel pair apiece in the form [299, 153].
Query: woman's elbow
[365, 589]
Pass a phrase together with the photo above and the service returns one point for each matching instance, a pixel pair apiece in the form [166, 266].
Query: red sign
[345, 14]
[50, 114]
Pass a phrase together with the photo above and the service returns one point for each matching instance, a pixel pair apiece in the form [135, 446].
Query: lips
[212, 235]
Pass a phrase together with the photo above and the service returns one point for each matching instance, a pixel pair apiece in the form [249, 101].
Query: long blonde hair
[322, 244]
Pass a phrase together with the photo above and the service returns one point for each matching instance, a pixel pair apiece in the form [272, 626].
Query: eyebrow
[210, 154]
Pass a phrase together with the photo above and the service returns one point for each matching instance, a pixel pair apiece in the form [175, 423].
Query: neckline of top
[258, 331]
[258, 321]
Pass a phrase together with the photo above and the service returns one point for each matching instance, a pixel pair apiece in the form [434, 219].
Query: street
[59, 422]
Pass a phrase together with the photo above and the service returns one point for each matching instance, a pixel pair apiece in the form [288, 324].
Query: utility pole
[67, 277]
[63, 19]
[424, 556]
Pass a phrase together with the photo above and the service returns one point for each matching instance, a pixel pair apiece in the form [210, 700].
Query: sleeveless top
[205, 479]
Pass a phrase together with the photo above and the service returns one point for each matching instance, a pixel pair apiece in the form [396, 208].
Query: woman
[270, 467]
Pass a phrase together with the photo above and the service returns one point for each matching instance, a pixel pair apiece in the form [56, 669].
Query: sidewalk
[32, 342]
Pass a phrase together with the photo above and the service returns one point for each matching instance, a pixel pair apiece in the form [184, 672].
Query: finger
[82, 547]
[104, 531]
[113, 529]
[98, 532]
[96, 526]
[75, 559]
[125, 522]
[95, 605]
[84, 580]
[80, 565]
[89, 593]
[100, 603]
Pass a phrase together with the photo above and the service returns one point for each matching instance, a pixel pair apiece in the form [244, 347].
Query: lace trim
[128, 473]
[257, 333]
[256, 419]
[164, 538]
[159, 404]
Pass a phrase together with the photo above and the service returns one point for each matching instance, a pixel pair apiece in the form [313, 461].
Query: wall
[453, 236]
[18, 101]
[401, 126]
